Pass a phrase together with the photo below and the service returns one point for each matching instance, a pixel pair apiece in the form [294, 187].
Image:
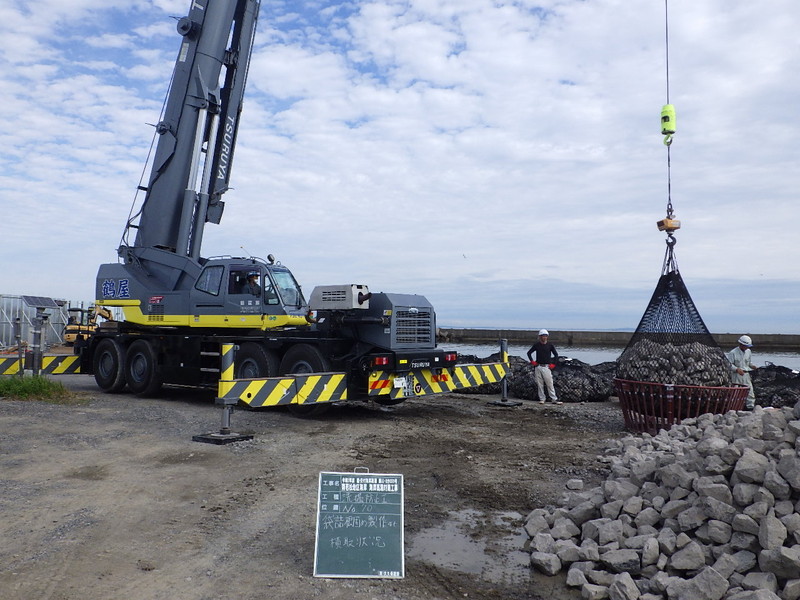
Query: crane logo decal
[113, 289]
[227, 145]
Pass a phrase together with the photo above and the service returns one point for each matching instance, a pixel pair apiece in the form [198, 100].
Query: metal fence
[15, 307]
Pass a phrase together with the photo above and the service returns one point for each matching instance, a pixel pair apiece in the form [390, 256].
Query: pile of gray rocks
[708, 510]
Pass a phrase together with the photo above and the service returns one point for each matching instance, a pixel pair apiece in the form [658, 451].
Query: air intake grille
[413, 326]
[329, 296]
[156, 312]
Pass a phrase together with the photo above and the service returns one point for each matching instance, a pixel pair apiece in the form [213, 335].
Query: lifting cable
[669, 224]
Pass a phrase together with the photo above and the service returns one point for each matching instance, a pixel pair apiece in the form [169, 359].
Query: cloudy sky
[502, 158]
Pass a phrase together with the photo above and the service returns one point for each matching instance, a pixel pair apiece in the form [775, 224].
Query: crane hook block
[668, 225]
[668, 127]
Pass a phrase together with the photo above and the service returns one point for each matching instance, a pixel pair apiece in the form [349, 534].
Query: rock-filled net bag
[672, 343]
[672, 367]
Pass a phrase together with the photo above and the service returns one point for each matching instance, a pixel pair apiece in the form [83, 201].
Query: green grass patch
[37, 387]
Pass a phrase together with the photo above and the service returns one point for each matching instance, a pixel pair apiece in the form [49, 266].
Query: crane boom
[197, 135]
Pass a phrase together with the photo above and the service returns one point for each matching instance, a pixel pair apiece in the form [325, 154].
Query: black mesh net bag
[672, 343]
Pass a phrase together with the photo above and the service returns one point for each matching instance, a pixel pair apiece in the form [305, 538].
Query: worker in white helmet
[544, 362]
[741, 366]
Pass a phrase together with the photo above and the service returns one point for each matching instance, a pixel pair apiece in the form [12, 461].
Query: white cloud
[450, 148]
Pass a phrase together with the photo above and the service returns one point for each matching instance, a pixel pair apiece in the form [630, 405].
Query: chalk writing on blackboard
[359, 526]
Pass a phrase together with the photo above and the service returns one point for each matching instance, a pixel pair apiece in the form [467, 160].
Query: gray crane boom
[197, 135]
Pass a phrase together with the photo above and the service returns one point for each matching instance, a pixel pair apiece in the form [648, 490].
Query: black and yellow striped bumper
[278, 391]
[425, 382]
[61, 364]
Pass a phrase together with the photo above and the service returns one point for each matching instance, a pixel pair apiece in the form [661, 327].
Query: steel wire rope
[670, 262]
[131, 214]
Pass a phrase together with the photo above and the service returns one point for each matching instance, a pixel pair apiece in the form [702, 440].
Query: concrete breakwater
[775, 342]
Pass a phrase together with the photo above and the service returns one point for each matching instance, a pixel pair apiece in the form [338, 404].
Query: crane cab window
[249, 282]
[245, 281]
[210, 280]
[288, 288]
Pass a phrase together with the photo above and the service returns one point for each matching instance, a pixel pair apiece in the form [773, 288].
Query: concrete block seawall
[768, 341]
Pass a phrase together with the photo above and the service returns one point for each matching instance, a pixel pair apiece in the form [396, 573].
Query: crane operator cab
[268, 291]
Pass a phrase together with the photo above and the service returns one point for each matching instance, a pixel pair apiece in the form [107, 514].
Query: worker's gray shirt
[740, 359]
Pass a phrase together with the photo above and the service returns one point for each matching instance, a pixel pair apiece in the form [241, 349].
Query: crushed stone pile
[776, 386]
[576, 381]
[709, 510]
[693, 363]
[573, 380]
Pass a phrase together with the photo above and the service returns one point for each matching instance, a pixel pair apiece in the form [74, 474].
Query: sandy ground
[112, 498]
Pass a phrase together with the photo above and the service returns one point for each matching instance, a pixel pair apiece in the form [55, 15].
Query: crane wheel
[300, 359]
[141, 369]
[254, 361]
[108, 365]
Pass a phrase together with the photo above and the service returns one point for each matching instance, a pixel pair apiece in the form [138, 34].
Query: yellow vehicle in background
[82, 323]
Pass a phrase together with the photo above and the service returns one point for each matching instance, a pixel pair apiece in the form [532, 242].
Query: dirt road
[113, 499]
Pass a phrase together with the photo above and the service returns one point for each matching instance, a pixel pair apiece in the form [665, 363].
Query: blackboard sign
[359, 526]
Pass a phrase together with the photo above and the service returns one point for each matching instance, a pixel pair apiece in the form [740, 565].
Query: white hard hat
[544, 332]
[745, 341]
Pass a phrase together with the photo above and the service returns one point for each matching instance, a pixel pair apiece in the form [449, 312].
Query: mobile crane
[180, 309]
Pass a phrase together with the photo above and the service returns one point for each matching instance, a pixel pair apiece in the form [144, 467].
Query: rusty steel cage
[648, 407]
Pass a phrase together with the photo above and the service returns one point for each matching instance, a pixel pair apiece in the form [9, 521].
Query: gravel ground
[111, 498]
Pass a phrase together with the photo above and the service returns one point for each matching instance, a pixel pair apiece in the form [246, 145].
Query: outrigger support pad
[225, 435]
[504, 402]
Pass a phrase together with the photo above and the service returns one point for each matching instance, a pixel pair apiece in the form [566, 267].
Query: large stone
[791, 591]
[745, 524]
[650, 552]
[542, 542]
[743, 493]
[692, 518]
[719, 532]
[783, 562]
[590, 591]
[648, 517]
[752, 466]
[591, 529]
[777, 485]
[771, 532]
[610, 532]
[620, 561]
[745, 560]
[575, 578]
[716, 509]
[546, 563]
[726, 565]
[675, 475]
[564, 529]
[688, 558]
[673, 508]
[583, 512]
[708, 584]
[535, 524]
[619, 489]
[706, 487]
[760, 581]
[623, 588]
[567, 551]
[789, 468]
[754, 595]
[667, 541]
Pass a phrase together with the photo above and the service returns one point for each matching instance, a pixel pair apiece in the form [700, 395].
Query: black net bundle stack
[672, 344]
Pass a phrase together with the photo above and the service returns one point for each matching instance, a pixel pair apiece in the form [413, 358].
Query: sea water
[594, 355]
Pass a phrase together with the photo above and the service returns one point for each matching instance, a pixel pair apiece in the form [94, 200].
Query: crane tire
[302, 359]
[108, 364]
[254, 361]
[141, 369]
